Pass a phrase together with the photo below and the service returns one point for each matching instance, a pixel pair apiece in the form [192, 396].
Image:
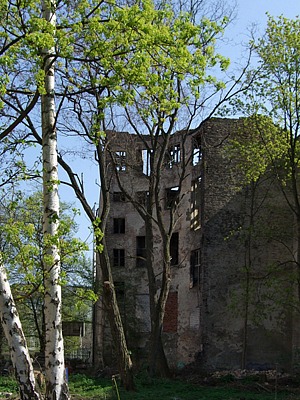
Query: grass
[83, 387]
[8, 384]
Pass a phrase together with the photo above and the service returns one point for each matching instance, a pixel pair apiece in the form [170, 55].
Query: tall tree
[56, 385]
[158, 81]
[135, 39]
[272, 103]
[181, 86]
[12, 39]
[158, 66]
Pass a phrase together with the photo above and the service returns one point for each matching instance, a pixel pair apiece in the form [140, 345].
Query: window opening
[119, 225]
[173, 155]
[119, 197]
[197, 153]
[146, 157]
[119, 257]
[120, 289]
[120, 160]
[174, 243]
[141, 251]
[142, 197]
[171, 196]
[195, 203]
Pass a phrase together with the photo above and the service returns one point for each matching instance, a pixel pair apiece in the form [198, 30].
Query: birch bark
[16, 340]
[56, 386]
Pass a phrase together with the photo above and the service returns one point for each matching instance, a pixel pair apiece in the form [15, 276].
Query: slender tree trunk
[246, 317]
[158, 361]
[39, 328]
[98, 319]
[56, 387]
[16, 340]
[109, 299]
[116, 326]
[158, 365]
[109, 293]
[248, 266]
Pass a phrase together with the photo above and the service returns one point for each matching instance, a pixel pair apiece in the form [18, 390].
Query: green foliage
[256, 146]
[98, 234]
[128, 45]
[280, 78]
[271, 133]
[24, 34]
[21, 229]
[22, 244]
[268, 141]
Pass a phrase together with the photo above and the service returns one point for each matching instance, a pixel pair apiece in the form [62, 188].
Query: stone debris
[268, 375]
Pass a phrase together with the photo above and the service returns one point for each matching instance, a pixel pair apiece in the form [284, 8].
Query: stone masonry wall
[243, 263]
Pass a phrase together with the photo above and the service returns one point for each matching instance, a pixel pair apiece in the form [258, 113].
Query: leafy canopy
[272, 103]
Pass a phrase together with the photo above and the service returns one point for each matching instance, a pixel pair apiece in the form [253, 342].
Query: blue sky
[254, 11]
[250, 13]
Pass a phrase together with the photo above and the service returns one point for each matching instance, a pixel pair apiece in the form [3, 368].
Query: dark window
[195, 266]
[141, 251]
[195, 204]
[120, 289]
[174, 242]
[171, 196]
[119, 225]
[173, 155]
[120, 160]
[118, 196]
[142, 198]
[197, 153]
[119, 257]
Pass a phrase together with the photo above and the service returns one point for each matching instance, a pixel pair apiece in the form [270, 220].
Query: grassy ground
[86, 388]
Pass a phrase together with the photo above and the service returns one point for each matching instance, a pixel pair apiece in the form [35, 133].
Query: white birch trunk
[16, 340]
[56, 386]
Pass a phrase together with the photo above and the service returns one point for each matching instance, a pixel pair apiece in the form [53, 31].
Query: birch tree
[13, 331]
[56, 386]
[11, 40]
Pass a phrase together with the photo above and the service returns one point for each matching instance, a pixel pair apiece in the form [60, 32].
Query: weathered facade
[230, 303]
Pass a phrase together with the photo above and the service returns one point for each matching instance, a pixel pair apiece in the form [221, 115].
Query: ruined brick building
[231, 301]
